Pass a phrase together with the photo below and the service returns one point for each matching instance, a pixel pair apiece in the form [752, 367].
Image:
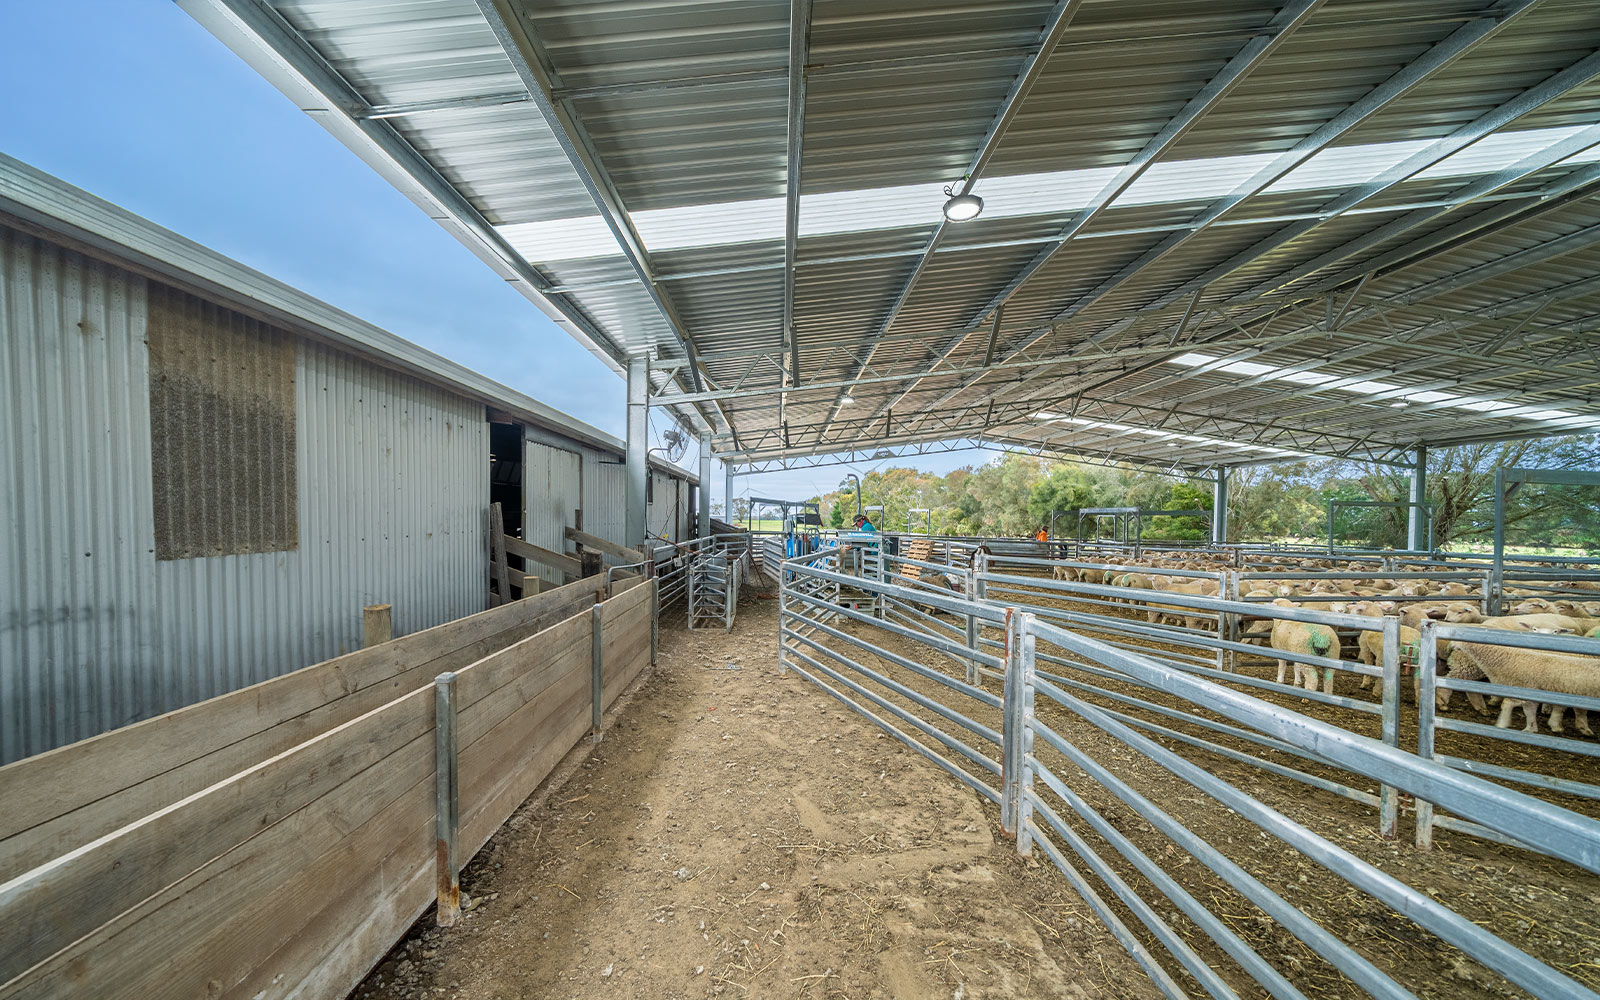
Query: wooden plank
[225, 920]
[53, 905]
[556, 560]
[218, 921]
[624, 663]
[65, 798]
[599, 544]
[501, 770]
[489, 674]
[497, 552]
[485, 719]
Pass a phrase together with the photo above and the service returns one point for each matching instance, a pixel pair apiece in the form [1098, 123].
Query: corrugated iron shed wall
[605, 505]
[553, 488]
[94, 632]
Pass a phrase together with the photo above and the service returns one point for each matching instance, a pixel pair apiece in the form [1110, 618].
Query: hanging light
[961, 207]
[848, 399]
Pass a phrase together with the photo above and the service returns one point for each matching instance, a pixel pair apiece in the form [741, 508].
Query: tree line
[1018, 494]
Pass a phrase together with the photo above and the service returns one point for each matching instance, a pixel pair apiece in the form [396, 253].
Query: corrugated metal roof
[684, 107]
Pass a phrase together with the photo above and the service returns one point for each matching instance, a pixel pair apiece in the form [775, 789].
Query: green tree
[1461, 487]
[836, 516]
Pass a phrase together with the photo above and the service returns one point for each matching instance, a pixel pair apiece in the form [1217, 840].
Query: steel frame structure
[1441, 295]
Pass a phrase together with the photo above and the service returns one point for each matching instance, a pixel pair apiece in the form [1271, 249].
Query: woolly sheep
[1308, 640]
[1558, 673]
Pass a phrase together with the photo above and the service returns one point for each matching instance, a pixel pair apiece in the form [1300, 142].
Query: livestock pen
[1126, 719]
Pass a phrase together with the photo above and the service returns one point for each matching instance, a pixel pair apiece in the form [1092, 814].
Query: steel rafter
[526, 53]
[799, 47]
[1443, 54]
[1282, 25]
[1054, 27]
[1530, 100]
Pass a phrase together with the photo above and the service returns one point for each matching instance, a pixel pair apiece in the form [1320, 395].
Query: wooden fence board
[503, 769]
[57, 801]
[217, 922]
[55, 904]
[555, 560]
[599, 544]
[295, 875]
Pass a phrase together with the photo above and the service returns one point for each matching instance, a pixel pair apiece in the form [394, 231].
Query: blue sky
[136, 103]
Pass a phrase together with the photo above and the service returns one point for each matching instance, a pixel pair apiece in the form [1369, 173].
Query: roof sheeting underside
[1227, 304]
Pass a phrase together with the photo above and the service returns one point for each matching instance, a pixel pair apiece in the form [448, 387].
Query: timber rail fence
[276, 841]
[1005, 726]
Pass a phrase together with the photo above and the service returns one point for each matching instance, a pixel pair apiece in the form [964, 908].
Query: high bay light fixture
[962, 207]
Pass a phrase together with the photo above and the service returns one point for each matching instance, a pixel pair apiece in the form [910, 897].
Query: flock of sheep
[1413, 599]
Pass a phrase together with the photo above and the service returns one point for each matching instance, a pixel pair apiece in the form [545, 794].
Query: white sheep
[1308, 640]
[1558, 673]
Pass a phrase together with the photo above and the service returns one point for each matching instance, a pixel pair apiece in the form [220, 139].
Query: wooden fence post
[377, 624]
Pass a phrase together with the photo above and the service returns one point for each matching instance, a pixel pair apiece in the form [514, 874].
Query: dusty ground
[737, 834]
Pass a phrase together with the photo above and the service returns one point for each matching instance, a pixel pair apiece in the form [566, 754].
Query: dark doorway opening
[506, 441]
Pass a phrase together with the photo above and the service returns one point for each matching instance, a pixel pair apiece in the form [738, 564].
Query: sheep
[1189, 617]
[1306, 639]
[1560, 673]
[1466, 670]
[1066, 573]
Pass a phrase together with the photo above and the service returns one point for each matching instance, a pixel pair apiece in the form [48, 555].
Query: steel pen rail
[1435, 692]
[1024, 748]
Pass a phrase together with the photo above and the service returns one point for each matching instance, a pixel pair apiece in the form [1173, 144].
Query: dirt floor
[737, 833]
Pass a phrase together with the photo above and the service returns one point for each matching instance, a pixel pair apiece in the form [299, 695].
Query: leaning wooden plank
[58, 902]
[135, 770]
[497, 554]
[556, 560]
[599, 544]
[205, 928]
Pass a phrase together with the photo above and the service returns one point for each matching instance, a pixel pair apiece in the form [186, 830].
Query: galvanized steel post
[655, 603]
[1427, 692]
[446, 801]
[638, 463]
[783, 617]
[596, 662]
[980, 593]
[704, 494]
[1388, 795]
[971, 594]
[1219, 508]
[1022, 729]
[1498, 570]
[1012, 725]
[1229, 623]
[1417, 533]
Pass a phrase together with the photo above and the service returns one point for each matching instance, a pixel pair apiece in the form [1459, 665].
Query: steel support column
[638, 463]
[1417, 514]
[704, 493]
[727, 492]
[1219, 508]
